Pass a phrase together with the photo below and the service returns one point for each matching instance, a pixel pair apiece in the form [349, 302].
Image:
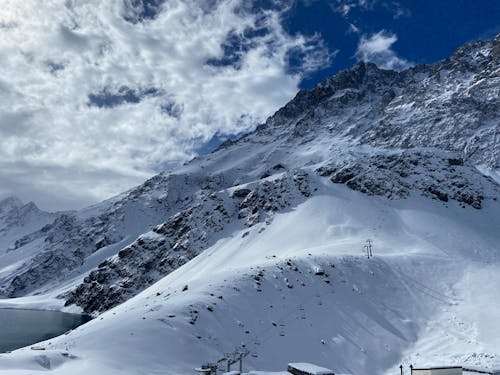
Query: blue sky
[426, 30]
[97, 96]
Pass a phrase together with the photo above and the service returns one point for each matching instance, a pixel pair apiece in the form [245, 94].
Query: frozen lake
[20, 328]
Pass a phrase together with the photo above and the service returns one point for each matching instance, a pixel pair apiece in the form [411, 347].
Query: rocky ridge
[183, 236]
[423, 131]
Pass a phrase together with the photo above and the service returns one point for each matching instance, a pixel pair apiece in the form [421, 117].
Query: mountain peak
[475, 56]
[10, 203]
[29, 207]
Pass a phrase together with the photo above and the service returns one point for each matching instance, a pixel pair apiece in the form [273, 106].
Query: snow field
[302, 290]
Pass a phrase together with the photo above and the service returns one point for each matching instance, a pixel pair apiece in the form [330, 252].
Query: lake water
[20, 328]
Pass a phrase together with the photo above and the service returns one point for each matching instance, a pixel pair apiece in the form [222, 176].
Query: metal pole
[369, 243]
[241, 365]
[401, 368]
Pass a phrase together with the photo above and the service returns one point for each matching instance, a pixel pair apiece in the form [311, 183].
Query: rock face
[451, 105]
[179, 239]
[429, 131]
[400, 174]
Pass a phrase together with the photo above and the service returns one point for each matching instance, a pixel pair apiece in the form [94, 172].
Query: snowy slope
[416, 300]
[72, 243]
[407, 159]
[17, 220]
[343, 129]
[365, 127]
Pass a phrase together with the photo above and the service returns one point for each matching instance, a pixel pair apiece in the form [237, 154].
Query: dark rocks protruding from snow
[183, 236]
[69, 238]
[398, 175]
[422, 131]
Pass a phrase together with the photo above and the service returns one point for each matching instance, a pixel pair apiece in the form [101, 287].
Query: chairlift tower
[230, 358]
[236, 356]
[368, 248]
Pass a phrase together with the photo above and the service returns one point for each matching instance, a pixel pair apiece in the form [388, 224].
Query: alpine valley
[261, 243]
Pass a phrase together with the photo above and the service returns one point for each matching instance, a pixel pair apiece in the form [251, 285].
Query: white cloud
[377, 48]
[353, 29]
[345, 7]
[95, 97]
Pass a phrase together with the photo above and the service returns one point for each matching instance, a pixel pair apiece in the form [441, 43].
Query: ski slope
[427, 296]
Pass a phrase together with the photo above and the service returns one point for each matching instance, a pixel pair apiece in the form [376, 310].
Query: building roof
[311, 369]
[436, 367]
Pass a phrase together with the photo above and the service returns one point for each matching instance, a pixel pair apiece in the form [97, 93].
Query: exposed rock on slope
[423, 131]
[183, 236]
[398, 175]
[64, 245]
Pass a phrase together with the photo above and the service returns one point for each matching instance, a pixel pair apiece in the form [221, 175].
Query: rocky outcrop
[426, 173]
[183, 236]
[426, 131]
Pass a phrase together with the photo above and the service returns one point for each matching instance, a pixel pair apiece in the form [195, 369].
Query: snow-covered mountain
[18, 220]
[261, 241]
